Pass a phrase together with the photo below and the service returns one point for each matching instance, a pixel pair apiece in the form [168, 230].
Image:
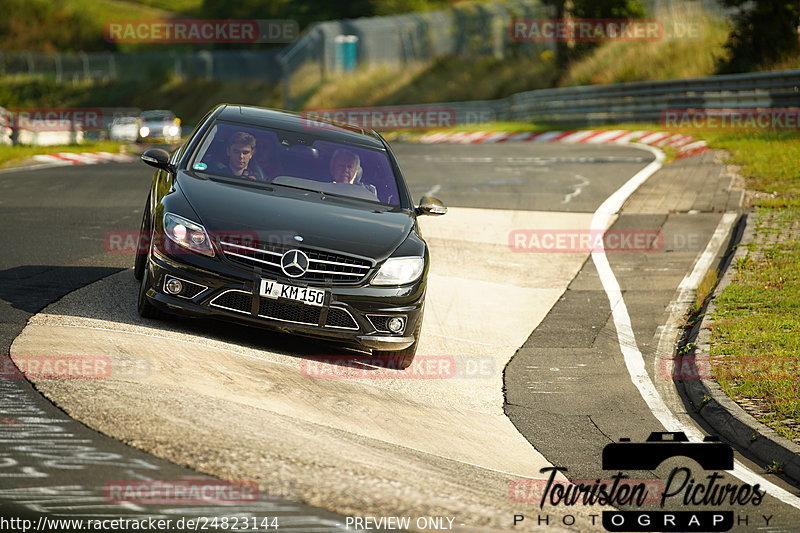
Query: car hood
[157, 123]
[275, 215]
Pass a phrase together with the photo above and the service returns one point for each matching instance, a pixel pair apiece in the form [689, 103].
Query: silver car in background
[158, 126]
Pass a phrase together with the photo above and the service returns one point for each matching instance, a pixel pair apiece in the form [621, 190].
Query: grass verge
[755, 342]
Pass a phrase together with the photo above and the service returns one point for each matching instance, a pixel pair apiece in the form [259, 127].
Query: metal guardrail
[646, 101]
[642, 102]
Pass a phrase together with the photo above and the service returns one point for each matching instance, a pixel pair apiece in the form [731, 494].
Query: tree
[765, 31]
[592, 9]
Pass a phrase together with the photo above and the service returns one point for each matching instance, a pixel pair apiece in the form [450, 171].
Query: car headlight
[144, 131]
[172, 131]
[399, 271]
[188, 234]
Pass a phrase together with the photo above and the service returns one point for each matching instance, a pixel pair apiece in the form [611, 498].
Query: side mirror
[428, 205]
[156, 157]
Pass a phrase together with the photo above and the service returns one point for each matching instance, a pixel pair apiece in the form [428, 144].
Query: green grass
[769, 162]
[14, 154]
[620, 62]
[67, 25]
[184, 7]
[756, 328]
[104, 10]
[447, 79]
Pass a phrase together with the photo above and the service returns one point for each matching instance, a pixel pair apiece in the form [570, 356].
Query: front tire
[144, 307]
[140, 261]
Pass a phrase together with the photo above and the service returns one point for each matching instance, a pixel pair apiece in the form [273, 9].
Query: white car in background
[159, 126]
[124, 129]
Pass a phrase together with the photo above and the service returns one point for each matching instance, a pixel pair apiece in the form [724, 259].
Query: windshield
[297, 160]
[157, 115]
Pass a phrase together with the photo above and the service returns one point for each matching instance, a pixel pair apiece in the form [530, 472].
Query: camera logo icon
[711, 454]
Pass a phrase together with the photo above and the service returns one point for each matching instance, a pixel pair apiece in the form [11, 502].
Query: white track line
[634, 361]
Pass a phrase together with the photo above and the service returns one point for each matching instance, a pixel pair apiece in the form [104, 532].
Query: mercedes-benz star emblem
[294, 263]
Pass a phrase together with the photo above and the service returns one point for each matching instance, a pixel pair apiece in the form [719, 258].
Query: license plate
[306, 295]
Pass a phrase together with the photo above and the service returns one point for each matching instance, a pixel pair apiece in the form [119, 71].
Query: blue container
[346, 52]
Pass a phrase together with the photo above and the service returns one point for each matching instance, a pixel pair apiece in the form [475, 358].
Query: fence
[211, 64]
[401, 40]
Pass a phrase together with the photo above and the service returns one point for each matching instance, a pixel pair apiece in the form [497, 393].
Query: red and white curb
[84, 158]
[685, 144]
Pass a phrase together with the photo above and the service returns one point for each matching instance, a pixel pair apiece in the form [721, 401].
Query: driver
[240, 150]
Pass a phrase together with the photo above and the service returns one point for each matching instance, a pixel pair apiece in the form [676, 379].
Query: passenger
[240, 150]
[346, 168]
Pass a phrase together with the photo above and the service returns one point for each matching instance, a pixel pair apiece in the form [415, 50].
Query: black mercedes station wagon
[289, 222]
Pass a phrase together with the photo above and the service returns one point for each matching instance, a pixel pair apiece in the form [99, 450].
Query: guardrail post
[85, 61]
[59, 67]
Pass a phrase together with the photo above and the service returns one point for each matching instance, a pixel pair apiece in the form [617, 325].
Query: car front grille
[233, 301]
[301, 314]
[239, 301]
[340, 269]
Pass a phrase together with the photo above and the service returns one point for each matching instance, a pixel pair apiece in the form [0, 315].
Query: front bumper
[219, 290]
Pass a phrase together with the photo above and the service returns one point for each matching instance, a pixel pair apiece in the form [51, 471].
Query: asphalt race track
[523, 365]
